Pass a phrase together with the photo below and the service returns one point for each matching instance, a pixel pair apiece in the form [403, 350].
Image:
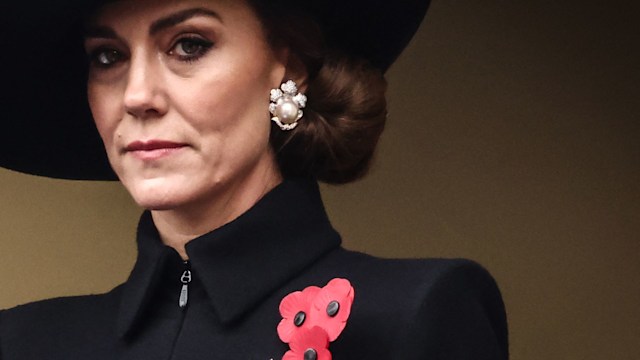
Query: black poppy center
[298, 320]
[310, 354]
[333, 308]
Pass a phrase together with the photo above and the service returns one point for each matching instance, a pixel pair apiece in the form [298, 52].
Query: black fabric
[403, 309]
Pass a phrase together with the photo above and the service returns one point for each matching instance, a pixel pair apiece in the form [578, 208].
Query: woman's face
[179, 91]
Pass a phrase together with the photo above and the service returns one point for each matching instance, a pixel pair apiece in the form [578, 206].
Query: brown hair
[346, 110]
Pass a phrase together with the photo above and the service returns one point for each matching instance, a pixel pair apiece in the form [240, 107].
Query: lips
[152, 145]
[153, 149]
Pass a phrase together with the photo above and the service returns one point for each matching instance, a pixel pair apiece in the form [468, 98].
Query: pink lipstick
[153, 149]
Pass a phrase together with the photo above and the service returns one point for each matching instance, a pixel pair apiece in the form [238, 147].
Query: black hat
[47, 128]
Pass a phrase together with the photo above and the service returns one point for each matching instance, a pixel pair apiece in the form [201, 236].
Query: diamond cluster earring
[286, 104]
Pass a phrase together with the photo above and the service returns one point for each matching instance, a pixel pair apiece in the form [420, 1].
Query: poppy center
[310, 354]
[298, 320]
[333, 308]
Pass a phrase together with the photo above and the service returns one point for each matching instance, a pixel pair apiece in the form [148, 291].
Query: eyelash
[202, 47]
[95, 55]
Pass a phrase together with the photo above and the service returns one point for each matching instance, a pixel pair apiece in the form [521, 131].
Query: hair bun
[345, 115]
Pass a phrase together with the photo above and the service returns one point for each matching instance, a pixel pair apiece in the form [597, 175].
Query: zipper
[185, 279]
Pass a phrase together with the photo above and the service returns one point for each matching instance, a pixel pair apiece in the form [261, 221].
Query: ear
[295, 70]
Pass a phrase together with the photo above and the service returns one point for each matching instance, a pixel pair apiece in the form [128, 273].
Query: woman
[219, 116]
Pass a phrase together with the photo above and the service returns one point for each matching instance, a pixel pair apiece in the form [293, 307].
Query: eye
[103, 57]
[190, 48]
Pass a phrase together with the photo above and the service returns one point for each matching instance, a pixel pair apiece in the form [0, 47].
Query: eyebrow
[178, 17]
[174, 19]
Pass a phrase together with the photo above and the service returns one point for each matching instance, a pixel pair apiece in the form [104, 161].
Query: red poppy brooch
[313, 317]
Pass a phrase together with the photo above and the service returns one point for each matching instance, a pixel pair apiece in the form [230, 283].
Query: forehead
[139, 12]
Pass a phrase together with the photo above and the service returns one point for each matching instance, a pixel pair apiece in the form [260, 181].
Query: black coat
[403, 309]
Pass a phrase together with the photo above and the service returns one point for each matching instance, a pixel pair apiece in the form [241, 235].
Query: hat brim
[47, 125]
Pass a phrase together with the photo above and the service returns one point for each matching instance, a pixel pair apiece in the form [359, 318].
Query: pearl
[287, 110]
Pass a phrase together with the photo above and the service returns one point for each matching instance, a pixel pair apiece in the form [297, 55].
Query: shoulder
[56, 323]
[419, 308]
[70, 308]
[415, 279]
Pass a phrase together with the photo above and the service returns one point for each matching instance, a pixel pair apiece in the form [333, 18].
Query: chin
[157, 194]
[156, 203]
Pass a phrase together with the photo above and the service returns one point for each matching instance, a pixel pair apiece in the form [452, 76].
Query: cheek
[103, 109]
[229, 107]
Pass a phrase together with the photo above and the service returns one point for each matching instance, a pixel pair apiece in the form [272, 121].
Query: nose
[144, 95]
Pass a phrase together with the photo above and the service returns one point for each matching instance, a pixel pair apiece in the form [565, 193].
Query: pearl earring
[286, 104]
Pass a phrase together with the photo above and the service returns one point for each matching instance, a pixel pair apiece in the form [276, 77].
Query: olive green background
[513, 140]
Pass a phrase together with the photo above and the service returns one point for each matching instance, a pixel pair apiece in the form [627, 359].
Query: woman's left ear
[288, 98]
[295, 70]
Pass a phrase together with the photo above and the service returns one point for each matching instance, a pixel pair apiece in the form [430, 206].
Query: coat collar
[242, 262]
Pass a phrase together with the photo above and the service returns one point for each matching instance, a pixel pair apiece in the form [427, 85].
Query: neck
[180, 225]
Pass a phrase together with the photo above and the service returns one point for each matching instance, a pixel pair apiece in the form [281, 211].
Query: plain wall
[513, 139]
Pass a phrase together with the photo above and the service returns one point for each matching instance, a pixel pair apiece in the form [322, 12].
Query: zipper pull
[185, 279]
